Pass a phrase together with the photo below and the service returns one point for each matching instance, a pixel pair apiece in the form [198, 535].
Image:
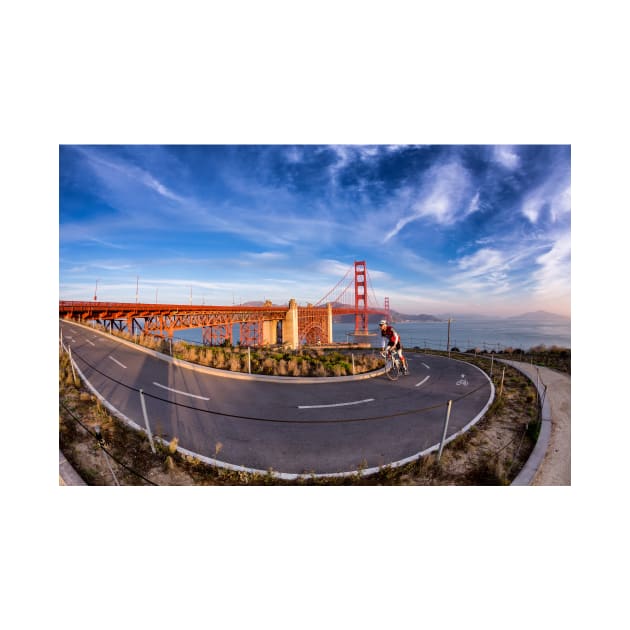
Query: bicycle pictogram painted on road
[462, 381]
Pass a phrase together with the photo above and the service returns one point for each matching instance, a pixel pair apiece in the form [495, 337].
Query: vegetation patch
[272, 361]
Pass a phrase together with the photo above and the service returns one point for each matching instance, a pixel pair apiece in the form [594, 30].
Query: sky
[443, 229]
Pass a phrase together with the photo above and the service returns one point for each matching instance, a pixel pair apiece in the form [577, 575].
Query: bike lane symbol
[462, 381]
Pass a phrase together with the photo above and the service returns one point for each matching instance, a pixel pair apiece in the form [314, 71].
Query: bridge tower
[388, 315]
[360, 298]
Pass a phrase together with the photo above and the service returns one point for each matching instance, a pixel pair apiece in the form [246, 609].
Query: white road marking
[92, 344]
[177, 391]
[356, 402]
[426, 366]
[424, 380]
[119, 363]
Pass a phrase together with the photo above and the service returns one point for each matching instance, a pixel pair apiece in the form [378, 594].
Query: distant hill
[422, 317]
[463, 316]
[395, 317]
[540, 316]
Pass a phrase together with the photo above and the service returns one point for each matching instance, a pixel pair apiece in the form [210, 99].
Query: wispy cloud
[551, 200]
[116, 172]
[553, 276]
[485, 270]
[444, 195]
[506, 156]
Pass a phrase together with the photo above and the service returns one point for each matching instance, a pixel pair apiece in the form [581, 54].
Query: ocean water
[483, 334]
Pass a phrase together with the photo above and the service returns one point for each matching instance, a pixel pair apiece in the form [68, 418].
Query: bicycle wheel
[391, 369]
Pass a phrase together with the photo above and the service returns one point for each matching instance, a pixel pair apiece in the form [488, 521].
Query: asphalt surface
[292, 426]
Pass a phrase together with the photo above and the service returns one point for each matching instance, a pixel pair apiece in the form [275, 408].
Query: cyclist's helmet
[383, 322]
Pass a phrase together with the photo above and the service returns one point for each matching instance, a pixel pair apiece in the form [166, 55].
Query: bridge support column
[290, 335]
[329, 322]
[269, 333]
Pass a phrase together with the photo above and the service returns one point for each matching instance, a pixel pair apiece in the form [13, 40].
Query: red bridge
[258, 325]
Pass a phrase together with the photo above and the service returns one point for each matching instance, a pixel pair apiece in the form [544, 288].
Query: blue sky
[443, 228]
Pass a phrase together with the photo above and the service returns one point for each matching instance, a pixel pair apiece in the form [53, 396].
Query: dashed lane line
[345, 404]
[424, 380]
[119, 363]
[178, 391]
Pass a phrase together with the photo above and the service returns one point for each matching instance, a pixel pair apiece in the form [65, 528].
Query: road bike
[393, 364]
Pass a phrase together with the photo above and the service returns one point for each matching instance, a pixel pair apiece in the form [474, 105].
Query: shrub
[320, 370]
[219, 359]
[268, 366]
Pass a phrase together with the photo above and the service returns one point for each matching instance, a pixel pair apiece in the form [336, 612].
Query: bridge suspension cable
[334, 289]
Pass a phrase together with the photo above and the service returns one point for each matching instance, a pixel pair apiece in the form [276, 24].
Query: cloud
[117, 172]
[112, 267]
[100, 241]
[474, 204]
[445, 195]
[551, 200]
[507, 157]
[260, 260]
[148, 180]
[331, 267]
[553, 277]
[485, 270]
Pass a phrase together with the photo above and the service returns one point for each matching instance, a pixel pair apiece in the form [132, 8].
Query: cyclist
[393, 342]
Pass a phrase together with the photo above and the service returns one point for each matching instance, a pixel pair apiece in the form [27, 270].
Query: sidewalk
[555, 467]
[68, 475]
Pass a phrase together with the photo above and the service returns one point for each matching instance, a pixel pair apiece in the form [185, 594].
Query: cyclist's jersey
[392, 336]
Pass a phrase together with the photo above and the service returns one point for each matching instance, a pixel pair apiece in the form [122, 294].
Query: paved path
[555, 468]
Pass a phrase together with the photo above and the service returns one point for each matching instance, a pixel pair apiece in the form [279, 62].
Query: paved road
[294, 426]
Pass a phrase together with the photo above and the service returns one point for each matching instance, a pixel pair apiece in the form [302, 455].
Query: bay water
[483, 334]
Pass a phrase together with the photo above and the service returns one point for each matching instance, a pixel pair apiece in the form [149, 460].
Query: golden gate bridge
[256, 325]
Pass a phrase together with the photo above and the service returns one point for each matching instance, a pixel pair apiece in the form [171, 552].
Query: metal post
[448, 414]
[99, 439]
[353, 363]
[74, 376]
[491, 365]
[146, 420]
[448, 341]
[249, 360]
[109, 466]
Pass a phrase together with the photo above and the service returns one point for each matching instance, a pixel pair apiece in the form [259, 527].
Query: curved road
[293, 426]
